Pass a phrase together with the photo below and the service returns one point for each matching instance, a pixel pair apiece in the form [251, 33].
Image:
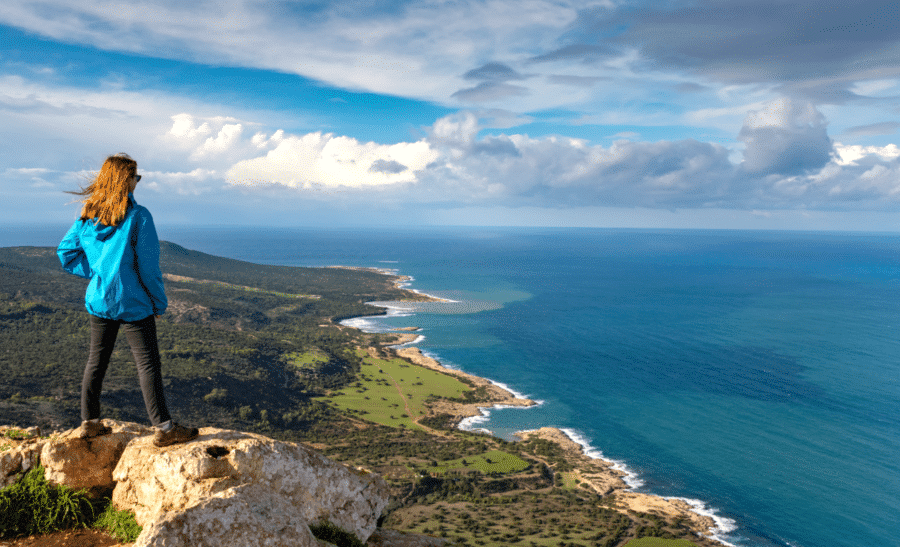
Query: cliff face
[225, 487]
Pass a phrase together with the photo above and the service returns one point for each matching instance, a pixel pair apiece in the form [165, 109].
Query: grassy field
[393, 392]
[306, 359]
[494, 461]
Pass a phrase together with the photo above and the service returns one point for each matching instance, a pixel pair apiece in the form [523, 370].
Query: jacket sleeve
[147, 256]
[71, 254]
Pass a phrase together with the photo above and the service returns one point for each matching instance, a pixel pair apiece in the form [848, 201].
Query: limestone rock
[154, 481]
[88, 463]
[394, 538]
[19, 459]
[246, 516]
[665, 507]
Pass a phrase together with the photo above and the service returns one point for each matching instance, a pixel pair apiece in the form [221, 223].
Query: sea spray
[631, 478]
[724, 525]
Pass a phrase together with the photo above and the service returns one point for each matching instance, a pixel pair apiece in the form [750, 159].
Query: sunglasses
[137, 178]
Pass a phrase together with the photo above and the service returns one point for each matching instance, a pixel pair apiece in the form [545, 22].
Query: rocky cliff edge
[224, 488]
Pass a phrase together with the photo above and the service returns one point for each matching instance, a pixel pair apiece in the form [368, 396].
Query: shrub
[33, 506]
[119, 524]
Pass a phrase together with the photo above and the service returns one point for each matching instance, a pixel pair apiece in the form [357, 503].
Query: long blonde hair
[107, 195]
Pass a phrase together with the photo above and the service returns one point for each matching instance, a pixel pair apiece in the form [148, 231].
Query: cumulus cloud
[456, 130]
[184, 127]
[224, 140]
[849, 155]
[786, 137]
[453, 165]
[326, 161]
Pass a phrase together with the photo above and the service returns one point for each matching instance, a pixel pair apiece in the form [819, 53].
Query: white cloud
[196, 182]
[227, 137]
[787, 136]
[325, 161]
[457, 130]
[183, 127]
[455, 166]
[849, 155]
[874, 88]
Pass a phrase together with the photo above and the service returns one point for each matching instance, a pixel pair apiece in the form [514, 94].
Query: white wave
[474, 424]
[445, 364]
[516, 394]
[631, 478]
[471, 423]
[364, 324]
[419, 339]
[724, 525]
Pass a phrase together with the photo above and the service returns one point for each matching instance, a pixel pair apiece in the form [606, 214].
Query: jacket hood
[101, 232]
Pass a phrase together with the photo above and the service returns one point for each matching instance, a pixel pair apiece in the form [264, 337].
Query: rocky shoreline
[601, 476]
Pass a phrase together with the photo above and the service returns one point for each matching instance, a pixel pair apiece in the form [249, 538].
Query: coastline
[605, 477]
[591, 469]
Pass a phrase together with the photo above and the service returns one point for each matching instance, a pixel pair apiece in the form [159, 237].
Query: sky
[745, 114]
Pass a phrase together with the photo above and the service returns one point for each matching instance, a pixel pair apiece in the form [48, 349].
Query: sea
[754, 373]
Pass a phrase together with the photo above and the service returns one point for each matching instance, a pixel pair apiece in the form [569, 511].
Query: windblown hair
[107, 195]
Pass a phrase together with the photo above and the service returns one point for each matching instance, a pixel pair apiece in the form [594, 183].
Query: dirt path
[66, 538]
[408, 410]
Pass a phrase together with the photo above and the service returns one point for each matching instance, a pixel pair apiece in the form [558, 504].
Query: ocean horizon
[756, 374]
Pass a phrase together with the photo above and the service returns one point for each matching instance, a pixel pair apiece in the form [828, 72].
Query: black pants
[141, 336]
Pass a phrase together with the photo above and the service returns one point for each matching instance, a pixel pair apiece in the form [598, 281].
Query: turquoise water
[758, 372]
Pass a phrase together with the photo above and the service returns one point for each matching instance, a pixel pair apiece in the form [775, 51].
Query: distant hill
[226, 335]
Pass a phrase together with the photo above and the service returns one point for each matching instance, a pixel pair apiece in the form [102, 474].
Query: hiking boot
[91, 429]
[178, 434]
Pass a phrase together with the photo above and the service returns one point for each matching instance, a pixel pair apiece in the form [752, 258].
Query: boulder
[88, 463]
[245, 515]
[290, 482]
[18, 456]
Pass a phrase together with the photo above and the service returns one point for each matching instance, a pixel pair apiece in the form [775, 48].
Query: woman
[114, 244]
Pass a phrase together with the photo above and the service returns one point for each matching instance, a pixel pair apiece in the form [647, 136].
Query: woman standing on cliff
[114, 244]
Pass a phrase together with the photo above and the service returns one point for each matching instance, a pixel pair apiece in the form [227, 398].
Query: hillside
[257, 348]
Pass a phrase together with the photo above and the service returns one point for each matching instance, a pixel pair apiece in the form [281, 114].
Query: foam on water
[724, 525]
[418, 340]
[631, 478]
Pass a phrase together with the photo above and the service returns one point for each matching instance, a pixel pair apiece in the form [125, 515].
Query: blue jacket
[122, 263]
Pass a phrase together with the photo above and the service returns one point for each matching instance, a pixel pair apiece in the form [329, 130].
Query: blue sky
[769, 114]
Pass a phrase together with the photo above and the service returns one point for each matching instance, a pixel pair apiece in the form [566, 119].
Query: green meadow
[494, 461]
[393, 392]
[306, 359]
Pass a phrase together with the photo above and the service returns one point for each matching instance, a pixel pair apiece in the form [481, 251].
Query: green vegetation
[659, 542]
[119, 524]
[393, 392]
[32, 506]
[15, 434]
[311, 359]
[494, 461]
[334, 534]
[243, 348]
